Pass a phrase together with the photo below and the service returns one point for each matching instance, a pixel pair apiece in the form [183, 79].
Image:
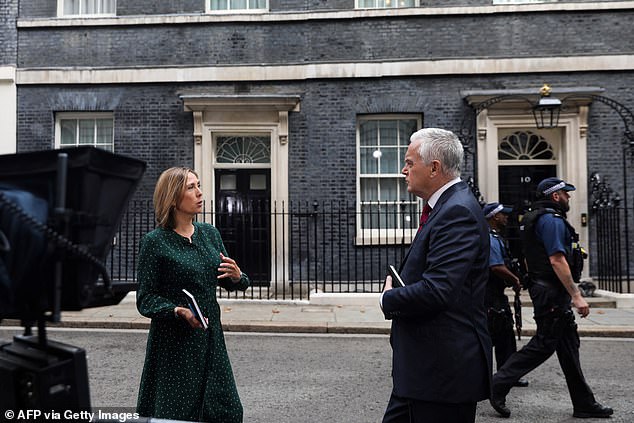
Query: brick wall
[437, 37]
[8, 32]
[150, 123]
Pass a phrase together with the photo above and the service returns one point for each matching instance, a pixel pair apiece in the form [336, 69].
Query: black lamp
[546, 111]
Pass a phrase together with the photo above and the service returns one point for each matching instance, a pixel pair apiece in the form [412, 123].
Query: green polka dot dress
[187, 374]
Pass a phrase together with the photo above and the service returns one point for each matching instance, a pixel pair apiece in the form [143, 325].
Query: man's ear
[435, 167]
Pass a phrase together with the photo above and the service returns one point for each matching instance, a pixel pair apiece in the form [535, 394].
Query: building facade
[314, 101]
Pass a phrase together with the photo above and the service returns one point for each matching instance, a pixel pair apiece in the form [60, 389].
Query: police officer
[499, 315]
[548, 242]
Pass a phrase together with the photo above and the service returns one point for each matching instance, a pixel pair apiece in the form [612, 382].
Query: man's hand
[581, 305]
[388, 283]
[562, 270]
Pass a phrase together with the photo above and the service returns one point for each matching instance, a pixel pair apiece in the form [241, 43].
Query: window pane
[387, 132]
[104, 131]
[370, 217]
[69, 132]
[108, 6]
[389, 216]
[409, 216]
[368, 132]
[71, 7]
[369, 164]
[219, 5]
[87, 7]
[388, 191]
[257, 182]
[366, 3]
[403, 194]
[86, 132]
[238, 4]
[369, 189]
[405, 130]
[389, 160]
[228, 182]
[257, 4]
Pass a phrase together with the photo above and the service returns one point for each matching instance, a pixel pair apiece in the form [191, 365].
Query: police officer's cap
[550, 185]
[492, 209]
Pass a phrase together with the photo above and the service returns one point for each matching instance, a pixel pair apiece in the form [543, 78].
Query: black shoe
[499, 404]
[521, 383]
[595, 410]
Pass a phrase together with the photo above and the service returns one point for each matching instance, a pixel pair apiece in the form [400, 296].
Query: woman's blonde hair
[167, 194]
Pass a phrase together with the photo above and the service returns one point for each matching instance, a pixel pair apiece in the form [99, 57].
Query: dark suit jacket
[441, 346]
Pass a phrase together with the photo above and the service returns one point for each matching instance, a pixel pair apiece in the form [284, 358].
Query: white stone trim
[7, 73]
[325, 70]
[8, 105]
[258, 16]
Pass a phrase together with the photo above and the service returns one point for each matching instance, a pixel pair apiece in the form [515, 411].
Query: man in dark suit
[441, 363]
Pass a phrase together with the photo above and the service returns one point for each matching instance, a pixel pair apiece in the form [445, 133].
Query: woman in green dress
[187, 374]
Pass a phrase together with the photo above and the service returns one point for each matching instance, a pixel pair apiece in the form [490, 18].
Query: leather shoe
[499, 404]
[595, 410]
[521, 383]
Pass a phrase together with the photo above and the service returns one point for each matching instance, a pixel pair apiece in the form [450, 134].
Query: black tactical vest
[537, 259]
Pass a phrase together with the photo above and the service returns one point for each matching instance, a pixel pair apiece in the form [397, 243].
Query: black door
[244, 220]
[517, 185]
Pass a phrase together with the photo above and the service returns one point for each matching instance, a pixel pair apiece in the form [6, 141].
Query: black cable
[58, 240]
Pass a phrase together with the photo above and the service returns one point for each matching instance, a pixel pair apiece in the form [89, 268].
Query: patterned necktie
[424, 216]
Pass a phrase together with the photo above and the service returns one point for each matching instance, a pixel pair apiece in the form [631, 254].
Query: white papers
[193, 306]
[397, 282]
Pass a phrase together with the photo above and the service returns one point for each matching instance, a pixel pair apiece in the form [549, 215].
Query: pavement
[611, 315]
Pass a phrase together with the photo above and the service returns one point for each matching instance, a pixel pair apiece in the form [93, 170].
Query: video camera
[59, 212]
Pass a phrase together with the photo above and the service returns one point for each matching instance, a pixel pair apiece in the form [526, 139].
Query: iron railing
[314, 246]
[611, 255]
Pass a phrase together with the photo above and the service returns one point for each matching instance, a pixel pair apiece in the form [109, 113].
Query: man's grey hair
[442, 145]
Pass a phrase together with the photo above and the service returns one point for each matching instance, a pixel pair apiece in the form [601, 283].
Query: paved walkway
[339, 316]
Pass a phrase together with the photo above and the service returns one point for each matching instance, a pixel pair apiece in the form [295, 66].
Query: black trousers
[500, 323]
[556, 333]
[404, 410]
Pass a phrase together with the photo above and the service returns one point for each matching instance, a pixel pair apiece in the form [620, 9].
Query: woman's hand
[187, 315]
[229, 269]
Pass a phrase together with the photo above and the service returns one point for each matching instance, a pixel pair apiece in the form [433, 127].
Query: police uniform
[500, 317]
[546, 232]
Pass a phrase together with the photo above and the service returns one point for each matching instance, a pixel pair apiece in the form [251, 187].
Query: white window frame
[81, 116]
[496, 2]
[208, 8]
[382, 236]
[98, 14]
[394, 5]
